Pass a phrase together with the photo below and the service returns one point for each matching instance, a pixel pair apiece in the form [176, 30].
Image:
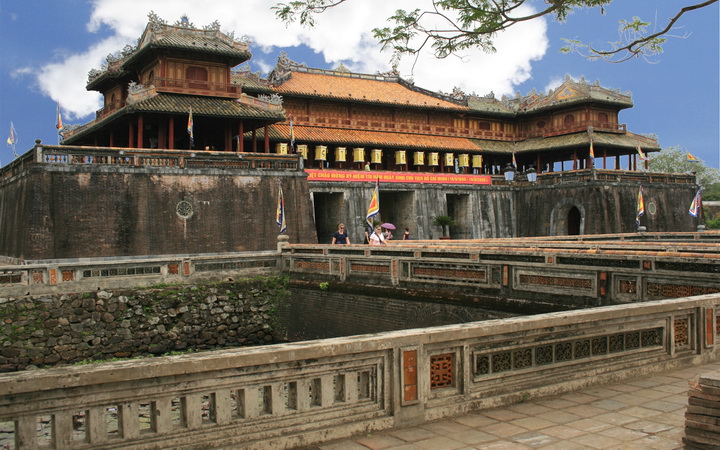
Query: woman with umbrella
[386, 230]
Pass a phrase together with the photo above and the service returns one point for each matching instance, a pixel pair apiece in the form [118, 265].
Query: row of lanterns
[358, 153]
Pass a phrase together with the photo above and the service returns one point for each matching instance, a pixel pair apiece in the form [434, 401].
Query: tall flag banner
[640, 206]
[12, 139]
[696, 204]
[280, 214]
[642, 154]
[691, 158]
[514, 161]
[374, 207]
[58, 121]
[292, 137]
[592, 150]
[190, 129]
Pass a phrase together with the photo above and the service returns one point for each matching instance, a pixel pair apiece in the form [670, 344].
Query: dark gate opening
[459, 209]
[328, 214]
[573, 221]
[398, 208]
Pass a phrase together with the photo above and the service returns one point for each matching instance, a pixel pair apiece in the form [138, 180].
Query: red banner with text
[396, 177]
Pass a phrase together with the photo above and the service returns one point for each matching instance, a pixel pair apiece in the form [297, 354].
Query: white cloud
[342, 34]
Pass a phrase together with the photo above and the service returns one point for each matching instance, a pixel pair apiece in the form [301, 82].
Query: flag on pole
[12, 138]
[292, 137]
[691, 158]
[374, 207]
[641, 154]
[59, 122]
[280, 214]
[190, 129]
[696, 204]
[640, 206]
[514, 161]
[592, 150]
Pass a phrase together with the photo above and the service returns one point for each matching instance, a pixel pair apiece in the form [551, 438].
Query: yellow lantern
[359, 154]
[400, 157]
[303, 150]
[340, 154]
[376, 156]
[464, 160]
[419, 158]
[477, 161]
[449, 160]
[434, 159]
[320, 153]
[281, 148]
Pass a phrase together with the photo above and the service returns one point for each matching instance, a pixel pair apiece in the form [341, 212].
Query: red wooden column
[111, 143]
[241, 140]
[267, 140]
[162, 135]
[171, 133]
[228, 137]
[604, 159]
[254, 140]
[131, 134]
[140, 131]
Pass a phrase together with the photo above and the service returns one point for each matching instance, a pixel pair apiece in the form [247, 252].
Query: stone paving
[645, 413]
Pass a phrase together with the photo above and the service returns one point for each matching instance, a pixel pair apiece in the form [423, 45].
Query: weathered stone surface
[143, 321]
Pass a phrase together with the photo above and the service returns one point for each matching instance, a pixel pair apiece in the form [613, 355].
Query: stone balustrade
[298, 394]
[93, 274]
[530, 274]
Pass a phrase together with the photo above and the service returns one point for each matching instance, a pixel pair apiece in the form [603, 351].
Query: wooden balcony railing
[181, 86]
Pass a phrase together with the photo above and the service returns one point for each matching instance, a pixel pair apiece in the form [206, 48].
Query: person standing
[340, 236]
[377, 238]
[406, 235]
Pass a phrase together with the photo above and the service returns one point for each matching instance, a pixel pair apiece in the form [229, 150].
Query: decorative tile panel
[488, 362]
[441, 371]
[681, 332]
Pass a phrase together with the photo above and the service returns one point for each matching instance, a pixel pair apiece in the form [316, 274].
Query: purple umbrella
[388, 226]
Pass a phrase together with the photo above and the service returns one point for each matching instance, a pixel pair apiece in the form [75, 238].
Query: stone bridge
[299, 394]
[519, 275]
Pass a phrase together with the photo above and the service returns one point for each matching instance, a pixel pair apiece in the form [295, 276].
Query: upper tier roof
[182, 37]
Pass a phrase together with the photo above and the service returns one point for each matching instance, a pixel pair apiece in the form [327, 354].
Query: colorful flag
[59, 123]
[691, 158]
[640, 206]
[696, 204]
[280, 215]
[292, 137]
[514, 161]
[592, 150]
[190, 129]
[642, 154]
[374, 208]
[12, 138]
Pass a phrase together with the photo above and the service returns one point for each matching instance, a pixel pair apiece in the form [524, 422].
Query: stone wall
[329, 313]
[57, 212]
[68, 328]
[504, 211]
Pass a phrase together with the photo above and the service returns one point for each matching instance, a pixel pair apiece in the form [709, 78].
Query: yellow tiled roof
[364, 89]
[371, 138]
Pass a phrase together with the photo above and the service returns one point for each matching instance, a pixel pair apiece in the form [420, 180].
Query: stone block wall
[330, 313]
[69, 328]
[58, 212]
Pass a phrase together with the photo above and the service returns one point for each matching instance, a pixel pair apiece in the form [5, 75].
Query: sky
[49, 46]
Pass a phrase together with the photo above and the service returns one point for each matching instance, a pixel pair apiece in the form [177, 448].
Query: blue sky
[49, 46]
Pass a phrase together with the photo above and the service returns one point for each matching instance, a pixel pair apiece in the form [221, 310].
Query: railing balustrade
[298, 394]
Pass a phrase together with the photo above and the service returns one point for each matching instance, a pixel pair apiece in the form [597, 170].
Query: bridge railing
[91, 274]
[292, 395]
[551, 274]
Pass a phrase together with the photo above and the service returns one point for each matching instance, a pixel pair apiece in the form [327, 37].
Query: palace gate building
[190, 148]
